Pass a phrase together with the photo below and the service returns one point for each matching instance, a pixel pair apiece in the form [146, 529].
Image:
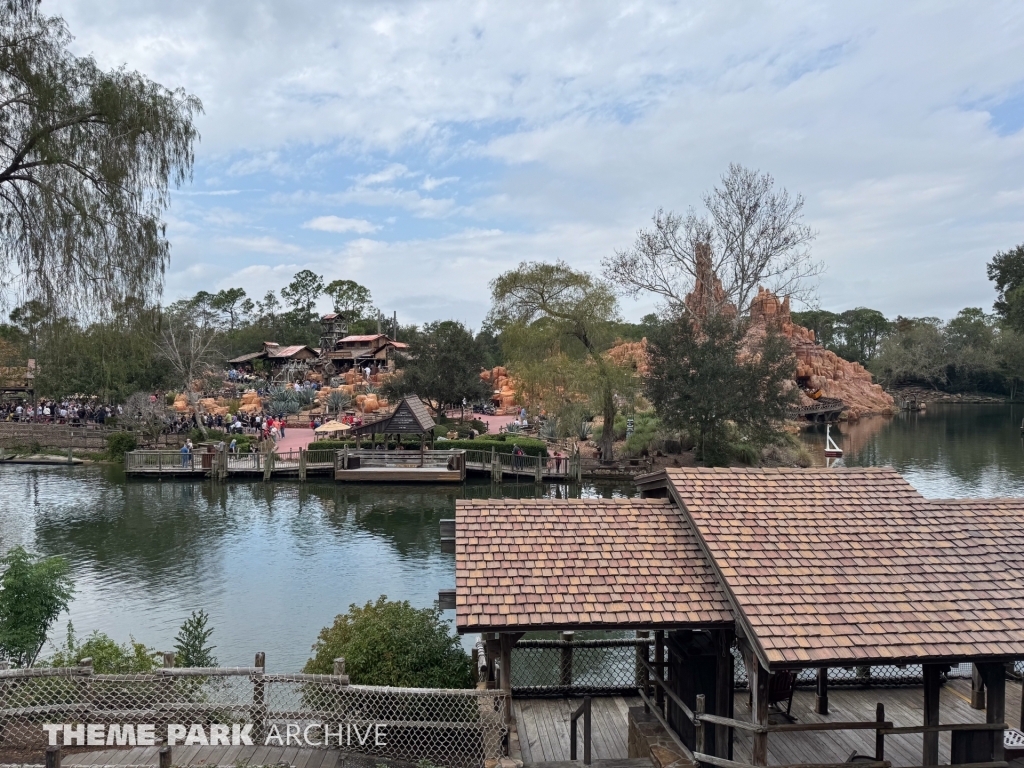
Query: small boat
[832, 451]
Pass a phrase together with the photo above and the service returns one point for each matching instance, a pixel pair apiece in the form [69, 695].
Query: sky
[422, 148]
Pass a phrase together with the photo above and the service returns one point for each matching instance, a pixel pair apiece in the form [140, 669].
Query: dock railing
[499, 464]
[451, 460]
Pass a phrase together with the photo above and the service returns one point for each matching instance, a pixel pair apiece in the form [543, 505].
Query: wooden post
[302, 465]
[724, 692]
[879, 736]
[339, 666]
[268, 467]
[758, 682]
[642, 655]
[506, 673]
[540, 469]
[977, 688]
[165, 760]
[53, 757]
[821, 694]
[698, 724]
[565, 668]
[259, 700]
[169, 660]
[930, 751]
[659, 667]
[994, 676]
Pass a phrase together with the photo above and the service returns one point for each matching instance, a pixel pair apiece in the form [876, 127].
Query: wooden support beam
[994, 676]
[758, 682]
[930, 750]
[659, 662]
[724, 692]
[977, 688]
[821, 692]
[879, 736]
[506, 673]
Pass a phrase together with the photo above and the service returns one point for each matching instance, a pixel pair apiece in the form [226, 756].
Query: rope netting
[455, 728]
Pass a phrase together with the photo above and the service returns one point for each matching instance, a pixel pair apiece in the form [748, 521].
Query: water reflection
[271, 562]
[946, 451]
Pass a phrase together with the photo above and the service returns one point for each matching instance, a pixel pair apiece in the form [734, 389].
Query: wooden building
[800, 571]
[375, 351]
[284, 363]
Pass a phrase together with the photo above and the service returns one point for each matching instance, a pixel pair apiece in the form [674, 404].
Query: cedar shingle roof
[551, 564]
[855, 565]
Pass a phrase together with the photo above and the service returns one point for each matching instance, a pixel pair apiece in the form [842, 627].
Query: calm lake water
[274, 563]
[947, 451]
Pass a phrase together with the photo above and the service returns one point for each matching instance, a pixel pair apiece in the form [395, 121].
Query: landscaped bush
[392, 643]
[108, 657]
[120, 443]
[501, 443]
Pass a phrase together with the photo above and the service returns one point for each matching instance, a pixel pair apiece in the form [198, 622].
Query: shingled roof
[580, 563]
[854, 565]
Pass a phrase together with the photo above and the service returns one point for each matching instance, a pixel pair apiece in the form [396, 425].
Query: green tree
[34, 591]
[392, 643]
[230, 302]
[349, 298]
[445, 368]
[1009, 351]
[822, 322]
[702, 381]
[192, 645]
[1006, 270]
[302, 292]
[916, 352]
[85, 166]
[108, 656]
[538, 304]
[861, 330]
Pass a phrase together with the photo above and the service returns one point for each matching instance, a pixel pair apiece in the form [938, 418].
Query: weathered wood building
[795, 572]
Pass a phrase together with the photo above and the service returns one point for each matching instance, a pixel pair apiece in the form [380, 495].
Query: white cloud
[340, 225]
[565, 128]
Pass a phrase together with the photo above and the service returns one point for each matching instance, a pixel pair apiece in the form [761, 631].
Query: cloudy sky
[421, 148]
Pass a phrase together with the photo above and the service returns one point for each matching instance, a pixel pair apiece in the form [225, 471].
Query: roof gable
[575, 563]
[833, 566]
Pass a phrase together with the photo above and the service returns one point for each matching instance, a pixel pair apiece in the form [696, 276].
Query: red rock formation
[707, 297]
[631, 354]
[816, 367]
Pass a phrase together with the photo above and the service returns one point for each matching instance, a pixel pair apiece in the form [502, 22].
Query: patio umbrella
[333, 426]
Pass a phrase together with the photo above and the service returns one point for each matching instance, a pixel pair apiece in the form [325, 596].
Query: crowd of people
[75, 412]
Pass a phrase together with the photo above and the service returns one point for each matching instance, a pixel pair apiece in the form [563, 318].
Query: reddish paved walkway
[294, 438]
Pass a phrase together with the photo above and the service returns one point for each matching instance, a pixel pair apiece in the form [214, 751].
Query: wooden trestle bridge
[355, 465]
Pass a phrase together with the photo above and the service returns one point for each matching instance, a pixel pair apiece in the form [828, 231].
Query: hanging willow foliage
[86, 160]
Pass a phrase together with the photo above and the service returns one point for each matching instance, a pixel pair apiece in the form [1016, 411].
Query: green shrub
[191, 646]
[531, 446]
[120, 443]
[392, 643]
[745, 453]
[34, 591]
[169, 398]
[108, 657]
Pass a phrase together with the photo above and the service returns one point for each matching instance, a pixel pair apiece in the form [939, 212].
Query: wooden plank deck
[542, 728]
[903, 706]
[542, 725]
[215, 756]
[398, 475]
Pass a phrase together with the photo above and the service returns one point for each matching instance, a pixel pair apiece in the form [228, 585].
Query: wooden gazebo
[410, 417]
[799, 571]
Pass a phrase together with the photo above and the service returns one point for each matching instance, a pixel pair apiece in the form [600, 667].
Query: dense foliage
[192, 645]
[700, 383]
[391, 643]
[85, 167]
[444, 370]
[34, 591]
[108, 656]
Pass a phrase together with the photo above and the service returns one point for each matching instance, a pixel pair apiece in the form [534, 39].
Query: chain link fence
[562, 667]
[454, 728]
[609, 666]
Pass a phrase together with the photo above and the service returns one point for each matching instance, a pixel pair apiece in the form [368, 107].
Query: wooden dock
[542, 725]
[542, 728]
[504, 465]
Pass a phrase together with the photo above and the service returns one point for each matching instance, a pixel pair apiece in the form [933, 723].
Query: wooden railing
[166, 461]
[539, 467]
[401, 459]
